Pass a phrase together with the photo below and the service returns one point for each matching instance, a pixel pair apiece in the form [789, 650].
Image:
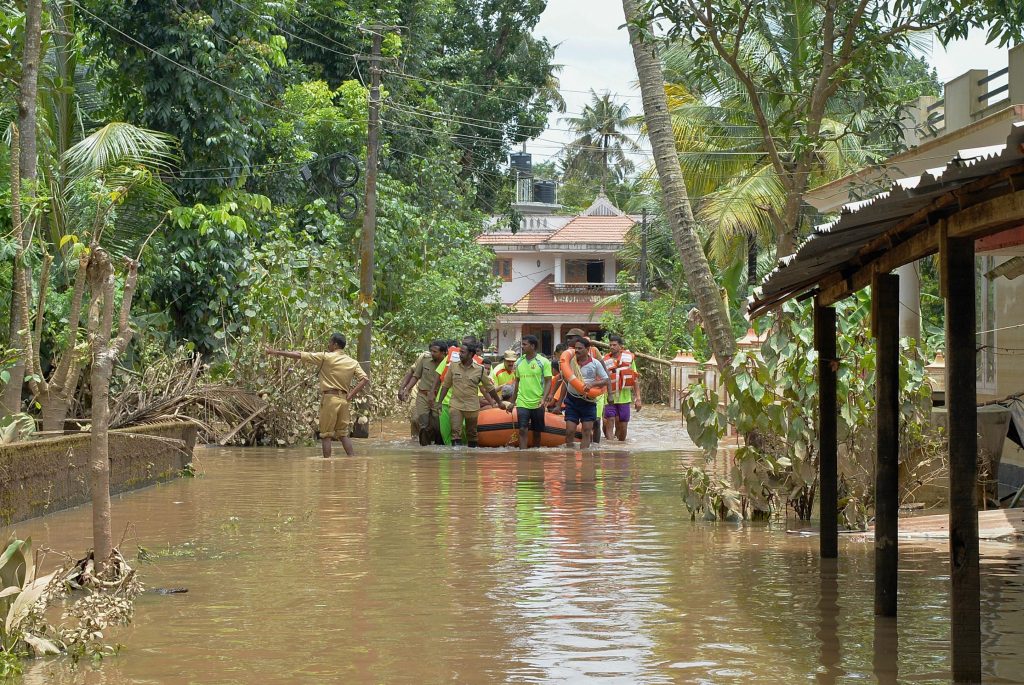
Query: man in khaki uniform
[336, 370]
[423, 375]
[464, 380]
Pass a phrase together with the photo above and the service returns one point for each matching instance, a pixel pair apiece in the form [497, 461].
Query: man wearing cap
[504, 376]
[336, 371]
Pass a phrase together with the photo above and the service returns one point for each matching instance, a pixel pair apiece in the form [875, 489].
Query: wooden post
[885, 305]
[957, 255]
[368, 235]
[825, 343]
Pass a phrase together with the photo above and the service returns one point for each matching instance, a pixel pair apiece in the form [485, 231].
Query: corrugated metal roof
[837, 246]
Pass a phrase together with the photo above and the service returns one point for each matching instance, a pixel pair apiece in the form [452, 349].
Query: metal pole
[366, 240]
[643, 255]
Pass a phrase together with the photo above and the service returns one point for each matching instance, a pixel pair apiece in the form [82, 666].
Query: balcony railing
[588, 288]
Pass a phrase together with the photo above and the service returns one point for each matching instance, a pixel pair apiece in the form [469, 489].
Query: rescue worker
[465, 380]
[580, 409]
[531, 391]
[554, 405]
[504, 375]
[424, 376]
[571, 337]
[444, 422]
[623, 390]
[336, 371]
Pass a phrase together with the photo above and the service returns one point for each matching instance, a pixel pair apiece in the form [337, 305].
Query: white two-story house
[555, 270]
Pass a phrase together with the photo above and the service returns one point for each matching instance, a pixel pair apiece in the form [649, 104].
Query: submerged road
[413, 565]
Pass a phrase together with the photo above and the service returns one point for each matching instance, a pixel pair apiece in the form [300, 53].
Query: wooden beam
[978, 221]
[828, 440]
[961, 398]
[885, 304]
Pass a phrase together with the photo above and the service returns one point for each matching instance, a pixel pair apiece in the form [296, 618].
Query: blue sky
[596, 54]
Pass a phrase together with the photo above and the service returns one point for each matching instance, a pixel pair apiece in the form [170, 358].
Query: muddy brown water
[413, 565]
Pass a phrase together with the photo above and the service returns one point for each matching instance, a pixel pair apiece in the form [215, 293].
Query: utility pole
[643, 256]
[366, 239]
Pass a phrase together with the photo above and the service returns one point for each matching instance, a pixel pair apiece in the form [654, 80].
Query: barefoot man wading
[336, 370]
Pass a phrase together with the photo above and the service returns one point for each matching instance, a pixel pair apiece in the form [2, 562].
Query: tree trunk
[104, 354]
[28, 90]
[99, 461]
[675, 197]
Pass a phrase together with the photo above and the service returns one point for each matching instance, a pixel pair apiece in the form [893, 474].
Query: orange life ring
[565, 368]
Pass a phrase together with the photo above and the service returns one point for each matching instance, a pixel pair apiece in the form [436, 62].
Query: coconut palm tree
[675, 195]
[724, 158]
[602, 139]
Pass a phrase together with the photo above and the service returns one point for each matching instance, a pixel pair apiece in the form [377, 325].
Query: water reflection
[434, 566]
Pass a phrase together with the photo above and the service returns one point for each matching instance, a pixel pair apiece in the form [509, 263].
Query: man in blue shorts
[580, 409]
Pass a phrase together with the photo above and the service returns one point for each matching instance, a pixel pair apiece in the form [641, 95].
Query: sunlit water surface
[413, 565]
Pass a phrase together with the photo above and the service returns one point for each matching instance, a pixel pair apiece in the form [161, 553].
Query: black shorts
[530, 418]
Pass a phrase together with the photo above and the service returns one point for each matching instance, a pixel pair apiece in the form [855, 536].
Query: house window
[503, 269]
[986, 308]
[584, 271]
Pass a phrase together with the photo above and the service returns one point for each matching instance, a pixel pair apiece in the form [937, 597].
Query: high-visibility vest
[620, 370]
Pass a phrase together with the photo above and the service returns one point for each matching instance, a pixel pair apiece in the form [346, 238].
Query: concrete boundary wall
[39, 477]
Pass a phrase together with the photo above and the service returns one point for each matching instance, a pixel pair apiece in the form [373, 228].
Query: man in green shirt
[531, 392]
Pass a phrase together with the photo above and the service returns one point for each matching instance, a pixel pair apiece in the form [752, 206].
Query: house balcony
[598, 289]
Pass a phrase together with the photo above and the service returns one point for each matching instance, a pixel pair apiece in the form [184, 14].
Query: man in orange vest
[623, 390]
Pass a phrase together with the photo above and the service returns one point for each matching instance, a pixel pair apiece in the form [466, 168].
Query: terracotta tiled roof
[542, 300]
[594, 229]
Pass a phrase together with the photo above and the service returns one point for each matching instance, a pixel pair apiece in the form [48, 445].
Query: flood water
[413, 565]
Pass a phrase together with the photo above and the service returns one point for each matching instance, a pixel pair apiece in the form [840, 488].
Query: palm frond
[122, 143]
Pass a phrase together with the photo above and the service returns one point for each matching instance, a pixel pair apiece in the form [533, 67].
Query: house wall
[1010, 363]
[525, 273]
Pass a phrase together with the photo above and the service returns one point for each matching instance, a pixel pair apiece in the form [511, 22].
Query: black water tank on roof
[544, 192]
[521, 162]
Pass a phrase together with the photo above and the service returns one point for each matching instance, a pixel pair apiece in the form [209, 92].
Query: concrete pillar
[961, 95]
[910, 301]
[556, 335]
[913, 121]
[1015, 59]
[517, 336]
[559, 274]
[609, 269]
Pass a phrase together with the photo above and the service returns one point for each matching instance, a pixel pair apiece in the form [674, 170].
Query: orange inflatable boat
[497, 428]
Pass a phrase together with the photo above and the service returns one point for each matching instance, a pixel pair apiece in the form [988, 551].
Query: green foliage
[772, 402]
[456, 295]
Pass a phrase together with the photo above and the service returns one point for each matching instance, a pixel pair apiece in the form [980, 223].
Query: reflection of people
[465, 380]
[531, 392]
[336, 370]
[580, 409]
[424, 375]
[623, 390]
